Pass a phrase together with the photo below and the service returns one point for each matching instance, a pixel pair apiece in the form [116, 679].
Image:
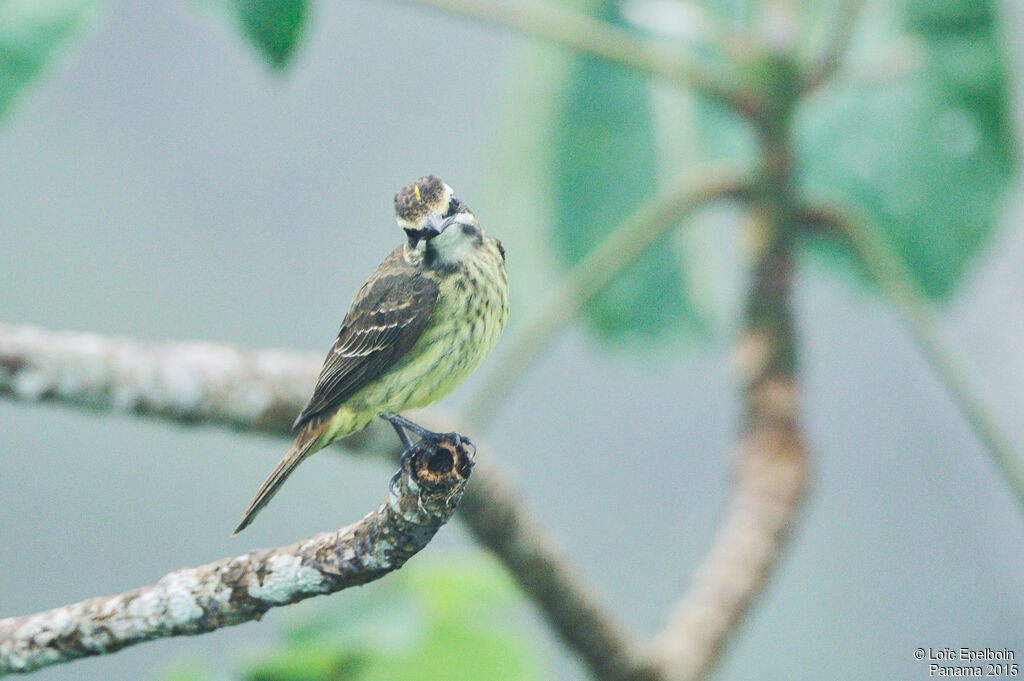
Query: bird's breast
[474, 296]
[470, 315]
[464, 327]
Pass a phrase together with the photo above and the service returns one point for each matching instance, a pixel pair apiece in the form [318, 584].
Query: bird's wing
[387, 317]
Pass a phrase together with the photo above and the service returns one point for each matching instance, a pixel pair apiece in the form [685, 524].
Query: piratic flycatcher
[416, 329]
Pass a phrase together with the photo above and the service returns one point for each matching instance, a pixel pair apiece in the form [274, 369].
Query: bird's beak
[435, 225]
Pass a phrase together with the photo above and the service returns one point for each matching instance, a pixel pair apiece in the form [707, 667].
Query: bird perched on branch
[416, 329]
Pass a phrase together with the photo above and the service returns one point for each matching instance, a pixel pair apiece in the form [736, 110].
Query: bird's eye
[453, 207]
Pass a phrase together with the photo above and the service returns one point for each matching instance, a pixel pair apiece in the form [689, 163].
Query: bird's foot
[402, 424]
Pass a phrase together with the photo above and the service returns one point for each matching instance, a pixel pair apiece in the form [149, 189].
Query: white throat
[453, 245]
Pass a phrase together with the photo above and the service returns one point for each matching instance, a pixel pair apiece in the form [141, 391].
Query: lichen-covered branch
[187, 382]
[199, 383]
[422, 497]
[493, 512]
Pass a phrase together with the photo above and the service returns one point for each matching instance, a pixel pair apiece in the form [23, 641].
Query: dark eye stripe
[453, 207]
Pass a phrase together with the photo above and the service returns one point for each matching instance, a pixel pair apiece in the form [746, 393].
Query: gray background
[162, 185]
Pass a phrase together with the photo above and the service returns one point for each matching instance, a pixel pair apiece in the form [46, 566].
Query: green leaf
[32, 34]
[465, 600]
[454, 651]
[381, 621]
[925, 146]
[431, 620]
[310, 661]
[273, 27]
[186, 670]
[605, 163]
[449, 588]
[584, 144]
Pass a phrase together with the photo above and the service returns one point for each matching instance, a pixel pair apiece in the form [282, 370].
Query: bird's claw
[460, 440]
[402, 425]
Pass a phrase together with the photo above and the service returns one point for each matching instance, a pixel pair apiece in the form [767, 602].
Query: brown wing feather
[386, 319]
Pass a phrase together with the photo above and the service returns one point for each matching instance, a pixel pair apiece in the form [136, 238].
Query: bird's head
[436, 221]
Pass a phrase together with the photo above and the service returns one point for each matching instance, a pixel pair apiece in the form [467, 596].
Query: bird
[422, 322]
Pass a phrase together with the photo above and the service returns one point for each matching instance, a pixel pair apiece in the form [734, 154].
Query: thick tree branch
[493, 511]
[422, 497]
[772, 469]
[207, 383]
[188, 383]
[660, 58]
[894, 279]
[771, 480]
[263, 390]
[495, 516]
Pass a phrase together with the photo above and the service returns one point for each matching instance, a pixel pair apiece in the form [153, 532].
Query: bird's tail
[308, 442]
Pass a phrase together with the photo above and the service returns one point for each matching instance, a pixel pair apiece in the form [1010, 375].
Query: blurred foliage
[273, 27]
[603, 143]
[34, 32]
[188, 670]
[919, 135]
[433, 619]
[914, 131]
